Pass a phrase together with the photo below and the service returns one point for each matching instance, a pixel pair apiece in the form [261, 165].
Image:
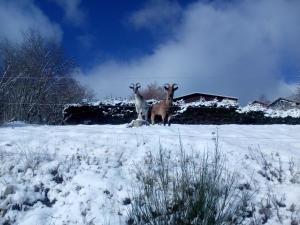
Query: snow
[89, 170]
[106, 102]
[213, 103]
[110, 102]
[123, 102]
[226, 103]
[294, 112]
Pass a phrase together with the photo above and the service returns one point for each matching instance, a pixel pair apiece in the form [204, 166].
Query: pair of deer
[162, 108]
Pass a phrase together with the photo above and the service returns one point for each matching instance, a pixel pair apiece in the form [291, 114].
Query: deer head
[135, 87]
[170, 88]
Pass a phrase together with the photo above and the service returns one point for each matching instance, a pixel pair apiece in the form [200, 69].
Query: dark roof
[259, 102]
[198, 94]
[284, 99]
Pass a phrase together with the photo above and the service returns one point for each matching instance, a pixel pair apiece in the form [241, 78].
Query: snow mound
[138, 123]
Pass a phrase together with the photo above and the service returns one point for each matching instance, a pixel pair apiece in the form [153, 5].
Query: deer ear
[175, 88]
[138, 85]
[131, 86]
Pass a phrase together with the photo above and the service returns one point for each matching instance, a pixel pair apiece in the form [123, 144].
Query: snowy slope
[81, 174]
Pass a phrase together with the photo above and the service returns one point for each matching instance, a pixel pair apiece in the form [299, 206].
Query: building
[284, 103]
[259, 103]
[204, 96]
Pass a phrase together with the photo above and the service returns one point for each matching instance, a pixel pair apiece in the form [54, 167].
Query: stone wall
[101, 114]
[213, 115]
[125, 113]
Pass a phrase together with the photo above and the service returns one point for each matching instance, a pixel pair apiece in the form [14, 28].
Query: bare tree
[263, 99]
[36, 80]
[153, 91]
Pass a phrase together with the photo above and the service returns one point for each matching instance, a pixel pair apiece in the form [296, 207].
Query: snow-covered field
[82, 174]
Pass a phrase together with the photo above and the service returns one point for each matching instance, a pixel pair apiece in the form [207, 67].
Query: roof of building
[259, 102]
[205, 94]
[283, 99]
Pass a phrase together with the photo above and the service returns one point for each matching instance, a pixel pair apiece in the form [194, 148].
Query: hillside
[82, 174]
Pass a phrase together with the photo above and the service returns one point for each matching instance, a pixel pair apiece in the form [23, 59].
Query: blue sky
[240, 48]
[105, 32]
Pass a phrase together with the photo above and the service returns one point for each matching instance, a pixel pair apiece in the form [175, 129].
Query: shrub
[154, 91]
[190, 190]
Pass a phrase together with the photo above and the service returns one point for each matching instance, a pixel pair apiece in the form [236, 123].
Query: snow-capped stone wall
[200, 112]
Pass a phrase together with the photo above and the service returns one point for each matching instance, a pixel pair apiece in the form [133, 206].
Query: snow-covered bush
[226, 103]
[268, 112]
[188, 190]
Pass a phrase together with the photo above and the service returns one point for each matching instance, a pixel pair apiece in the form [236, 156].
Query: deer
[141, 105]
[163, 108]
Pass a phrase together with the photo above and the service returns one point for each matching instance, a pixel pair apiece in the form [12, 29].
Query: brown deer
[163, 108]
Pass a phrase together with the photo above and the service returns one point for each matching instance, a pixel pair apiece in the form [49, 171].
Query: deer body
[164, 107]
[141, 106]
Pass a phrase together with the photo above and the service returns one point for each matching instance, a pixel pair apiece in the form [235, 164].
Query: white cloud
[285, 89]
[156, 13]
[72, 10]
[19, 16]
[234, 49]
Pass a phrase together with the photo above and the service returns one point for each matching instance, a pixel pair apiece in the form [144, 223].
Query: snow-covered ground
[82, 174]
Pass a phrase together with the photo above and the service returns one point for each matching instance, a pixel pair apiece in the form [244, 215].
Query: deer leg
[169, 120]
[164, 119]
[140, 116]
[152, 118]
[146, 114]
